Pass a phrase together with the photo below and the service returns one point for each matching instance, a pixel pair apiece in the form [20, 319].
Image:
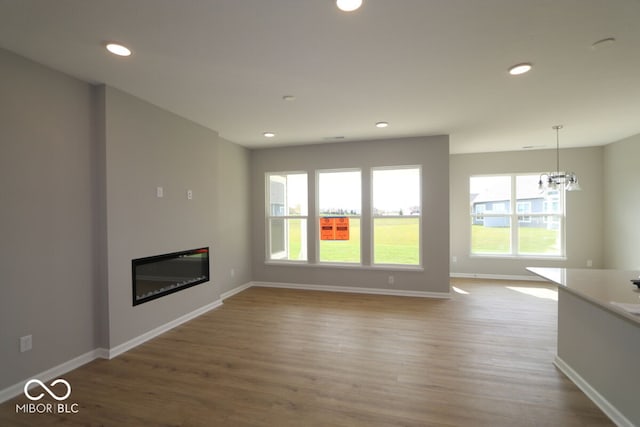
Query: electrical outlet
[392, 280]
[189, 194]
[26, 343]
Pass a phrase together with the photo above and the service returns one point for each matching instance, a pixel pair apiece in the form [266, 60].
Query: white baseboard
[234, 291]
[611, 411]
[352, 289]
[55, 372]
[115, 351]
[103, 353]
[523, 277]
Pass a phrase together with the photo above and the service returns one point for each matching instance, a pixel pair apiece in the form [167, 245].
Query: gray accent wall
[79, 168]
[232, 231]
[148, 147]
[622, 204]
[47, 210]
[585, 216]
[431, 153]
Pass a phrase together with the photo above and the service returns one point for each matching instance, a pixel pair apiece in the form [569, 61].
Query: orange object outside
[334, 228]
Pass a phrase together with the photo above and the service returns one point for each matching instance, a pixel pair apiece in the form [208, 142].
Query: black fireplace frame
[138, 262]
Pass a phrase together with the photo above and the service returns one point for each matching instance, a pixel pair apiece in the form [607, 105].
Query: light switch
[159, 192]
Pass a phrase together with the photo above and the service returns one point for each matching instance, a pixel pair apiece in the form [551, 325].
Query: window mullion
[515, 229]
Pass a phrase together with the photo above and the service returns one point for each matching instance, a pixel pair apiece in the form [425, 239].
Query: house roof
[497, 195]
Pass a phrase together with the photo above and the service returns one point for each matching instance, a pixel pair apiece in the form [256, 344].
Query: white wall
[584, 234]
[622, 204]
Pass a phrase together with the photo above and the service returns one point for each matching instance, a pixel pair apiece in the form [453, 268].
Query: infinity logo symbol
[51, 393]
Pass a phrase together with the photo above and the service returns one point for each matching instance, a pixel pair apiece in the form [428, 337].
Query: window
[543, 233]
[393, 223]
[396, 215]
[339, 210]
[287, 216]
[523, 208]
[534, 228]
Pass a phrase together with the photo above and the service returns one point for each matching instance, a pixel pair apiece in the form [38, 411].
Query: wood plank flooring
[278, 357]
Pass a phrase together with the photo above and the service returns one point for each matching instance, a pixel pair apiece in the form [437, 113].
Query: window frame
[419, 265]
[318, 216]
[516, 218]
[312, 218]
[269, 217]
[523, 216]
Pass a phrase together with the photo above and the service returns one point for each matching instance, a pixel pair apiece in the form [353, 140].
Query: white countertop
[601, 287]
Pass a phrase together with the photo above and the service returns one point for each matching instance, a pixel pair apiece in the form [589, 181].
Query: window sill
[520, 257]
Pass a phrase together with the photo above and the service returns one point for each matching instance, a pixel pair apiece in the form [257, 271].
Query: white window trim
[318, 215]
[418, 266]
[269, 217]
[513, 215]
[366, 222]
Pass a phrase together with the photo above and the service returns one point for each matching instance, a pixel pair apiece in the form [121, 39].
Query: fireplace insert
[160, 275]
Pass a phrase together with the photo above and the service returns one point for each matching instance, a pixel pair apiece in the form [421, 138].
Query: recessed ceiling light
[382, 124]
[520, 68]
[348, 5]
[269, 134]
[118, 49]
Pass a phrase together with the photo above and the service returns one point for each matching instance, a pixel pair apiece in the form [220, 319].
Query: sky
[396, 189]
[526, 185]
[393, 189]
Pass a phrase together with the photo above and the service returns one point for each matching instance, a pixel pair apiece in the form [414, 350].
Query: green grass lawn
[295, 230]
[395, 241]
[497, 240]
[343, 250]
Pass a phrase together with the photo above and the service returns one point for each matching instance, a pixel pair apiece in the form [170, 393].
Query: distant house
[492, 208]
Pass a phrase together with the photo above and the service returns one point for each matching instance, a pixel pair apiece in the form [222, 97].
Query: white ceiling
[426, 66]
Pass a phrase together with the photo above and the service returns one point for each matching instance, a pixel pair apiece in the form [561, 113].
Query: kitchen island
[599, 337]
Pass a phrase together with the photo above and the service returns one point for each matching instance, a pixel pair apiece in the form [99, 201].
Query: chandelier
[550, 181]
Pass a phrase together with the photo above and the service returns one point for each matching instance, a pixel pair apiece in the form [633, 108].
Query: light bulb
[118, 49]
[520, 69]
[348, 5]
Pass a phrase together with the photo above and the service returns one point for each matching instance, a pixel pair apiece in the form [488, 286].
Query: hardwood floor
[278, 357]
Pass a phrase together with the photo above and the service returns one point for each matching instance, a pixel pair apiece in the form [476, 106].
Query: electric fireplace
[160, 275]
